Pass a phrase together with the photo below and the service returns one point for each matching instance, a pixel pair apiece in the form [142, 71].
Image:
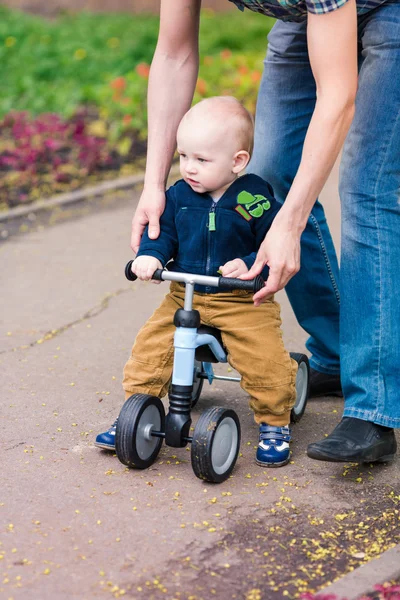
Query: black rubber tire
[203, 440]
[132, 450]
[198, 367]
[303, 382]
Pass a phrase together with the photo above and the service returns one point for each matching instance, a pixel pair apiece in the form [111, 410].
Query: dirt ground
[77, 524]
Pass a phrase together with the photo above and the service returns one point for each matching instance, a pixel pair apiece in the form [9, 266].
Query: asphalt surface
[77, 524]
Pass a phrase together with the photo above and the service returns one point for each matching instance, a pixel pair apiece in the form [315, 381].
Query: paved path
[77, 524]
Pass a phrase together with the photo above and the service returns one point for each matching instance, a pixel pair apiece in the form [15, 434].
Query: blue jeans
[369, 340]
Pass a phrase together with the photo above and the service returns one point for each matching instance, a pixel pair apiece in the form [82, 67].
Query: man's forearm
[326, 134]
[170, 93]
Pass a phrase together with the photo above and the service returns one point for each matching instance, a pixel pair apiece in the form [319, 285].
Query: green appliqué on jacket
[250, 205]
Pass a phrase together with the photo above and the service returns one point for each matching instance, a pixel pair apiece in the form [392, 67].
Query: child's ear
[240, 161]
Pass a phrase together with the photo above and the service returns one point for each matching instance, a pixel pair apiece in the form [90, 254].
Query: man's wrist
[292, 219]
[154, 186]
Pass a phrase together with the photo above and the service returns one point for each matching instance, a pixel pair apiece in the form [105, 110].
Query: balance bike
[142, 424]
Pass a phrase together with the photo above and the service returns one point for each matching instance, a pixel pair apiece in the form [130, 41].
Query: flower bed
[47, 155]
[74, 102]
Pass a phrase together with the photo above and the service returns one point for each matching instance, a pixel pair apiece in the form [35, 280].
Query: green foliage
[239, 31]
[55, 66]
[234, 74]
[92, 71]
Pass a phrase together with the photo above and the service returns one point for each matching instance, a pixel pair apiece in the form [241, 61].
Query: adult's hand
[172, 81]
[280, 250]
[150, 208]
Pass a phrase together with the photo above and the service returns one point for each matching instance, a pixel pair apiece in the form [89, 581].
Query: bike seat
[204, 353]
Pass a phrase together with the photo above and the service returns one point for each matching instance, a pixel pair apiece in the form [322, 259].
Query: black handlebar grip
[251, 285]
[132, 277]
[128, 272]
[259, 283]
[157, 275]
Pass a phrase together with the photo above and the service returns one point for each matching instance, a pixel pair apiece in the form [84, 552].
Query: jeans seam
[380, 403]
[326, 258]
[378, 381]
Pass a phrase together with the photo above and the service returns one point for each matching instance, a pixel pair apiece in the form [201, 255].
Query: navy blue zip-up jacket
[200, 235]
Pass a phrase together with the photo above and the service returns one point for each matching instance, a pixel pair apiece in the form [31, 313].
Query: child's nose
[191, 167]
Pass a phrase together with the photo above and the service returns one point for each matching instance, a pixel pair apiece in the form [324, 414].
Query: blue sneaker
[273, 448]
[106, 439]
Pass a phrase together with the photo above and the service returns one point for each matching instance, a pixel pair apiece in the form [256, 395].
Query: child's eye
[202, 160]
[182, 155]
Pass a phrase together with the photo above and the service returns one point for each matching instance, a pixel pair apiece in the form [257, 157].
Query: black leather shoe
[323, 384]
[354, 440]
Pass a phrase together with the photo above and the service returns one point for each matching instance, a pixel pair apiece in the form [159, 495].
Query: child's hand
[144, 267]
[233, 268]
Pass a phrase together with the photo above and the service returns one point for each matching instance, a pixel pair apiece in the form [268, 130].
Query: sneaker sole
[104, 446]
[272, 465]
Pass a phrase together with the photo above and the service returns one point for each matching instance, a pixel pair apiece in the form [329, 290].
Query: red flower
[143, 70]
[118, 84]
[256, 76]
[225, 54]
[201, 87]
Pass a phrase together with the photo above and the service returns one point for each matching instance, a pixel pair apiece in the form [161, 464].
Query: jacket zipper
[211, 227]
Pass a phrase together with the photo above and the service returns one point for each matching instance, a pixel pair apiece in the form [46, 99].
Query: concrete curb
[70, 205]
[61, 200]
[361, 581]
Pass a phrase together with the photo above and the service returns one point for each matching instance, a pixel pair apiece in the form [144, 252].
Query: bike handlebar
[223, 283]
[249, 285]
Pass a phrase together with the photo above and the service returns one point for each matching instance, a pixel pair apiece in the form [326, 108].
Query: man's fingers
[276, 281]
[254, 271]
[139, 223]
[260, 297]
[278, 278]
[137, 232]
[154, 227]
[272, 285]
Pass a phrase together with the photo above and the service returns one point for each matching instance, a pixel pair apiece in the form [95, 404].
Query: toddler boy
[213, 223]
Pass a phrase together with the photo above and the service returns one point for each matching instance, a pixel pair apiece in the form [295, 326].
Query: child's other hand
[144, 267]
[234, 268]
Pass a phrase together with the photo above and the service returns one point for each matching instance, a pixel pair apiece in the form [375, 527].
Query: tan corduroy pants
[252, 337]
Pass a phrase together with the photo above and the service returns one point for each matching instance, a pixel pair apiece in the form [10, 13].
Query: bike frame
[186, 340]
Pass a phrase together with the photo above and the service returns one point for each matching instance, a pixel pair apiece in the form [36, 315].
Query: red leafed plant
[48, 140]
[46, 151]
